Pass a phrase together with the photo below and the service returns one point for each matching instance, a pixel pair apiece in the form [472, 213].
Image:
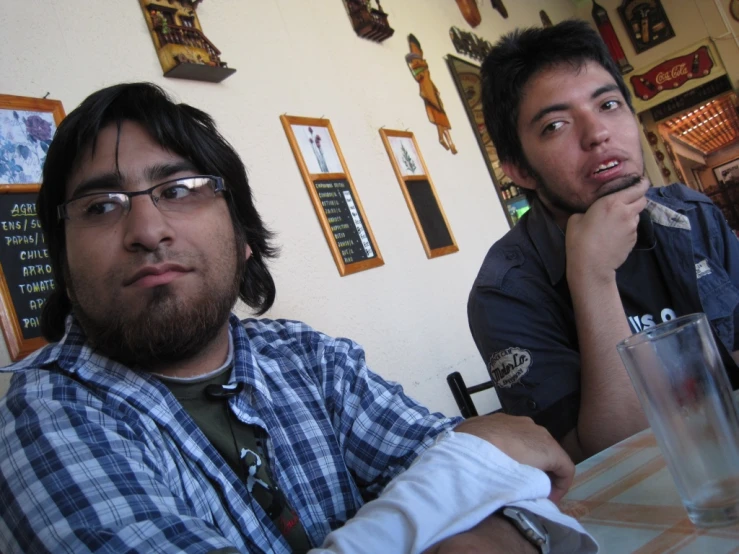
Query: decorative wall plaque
[469, 44]
[672, 74]
[646, 23]
[608, 34]
[183, 49]
[332, 192]
[419, 192]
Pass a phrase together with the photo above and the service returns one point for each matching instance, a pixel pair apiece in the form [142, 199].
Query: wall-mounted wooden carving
[183, 50]
[470, 12]
[469, 44]
[368, 22]
[430, 94]
[498, 5]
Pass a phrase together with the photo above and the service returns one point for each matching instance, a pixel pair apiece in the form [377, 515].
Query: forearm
[491, 535]
[609, 408]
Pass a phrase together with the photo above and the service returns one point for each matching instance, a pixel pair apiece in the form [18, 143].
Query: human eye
[176, 191]
[610, 105]
[98, 207]
[550, 128]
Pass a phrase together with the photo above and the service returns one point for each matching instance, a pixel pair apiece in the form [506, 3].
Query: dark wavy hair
[517, 57]
[182, 129]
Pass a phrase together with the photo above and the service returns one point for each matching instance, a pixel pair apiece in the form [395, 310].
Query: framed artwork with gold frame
[331, 189]
[27, 126]
[419, 192]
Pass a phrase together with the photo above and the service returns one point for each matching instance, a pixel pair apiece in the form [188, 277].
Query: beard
[168, 328]
[556, 200]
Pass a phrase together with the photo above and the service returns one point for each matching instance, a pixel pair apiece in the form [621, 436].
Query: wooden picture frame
[468, 80]
[27, 126]
[646, 23]
[727, 171]
[419, 192]
[331, 189]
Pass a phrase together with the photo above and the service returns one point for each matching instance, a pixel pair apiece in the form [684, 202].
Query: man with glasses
[159, 421]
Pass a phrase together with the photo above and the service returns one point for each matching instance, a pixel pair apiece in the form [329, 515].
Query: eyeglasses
[183, 195]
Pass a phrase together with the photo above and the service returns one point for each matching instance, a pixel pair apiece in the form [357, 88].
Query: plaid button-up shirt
[97, 457]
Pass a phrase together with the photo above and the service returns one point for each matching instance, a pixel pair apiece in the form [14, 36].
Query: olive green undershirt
[231, 438]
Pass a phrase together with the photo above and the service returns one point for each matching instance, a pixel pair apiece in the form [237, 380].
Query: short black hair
[517, 57]
[182, 129]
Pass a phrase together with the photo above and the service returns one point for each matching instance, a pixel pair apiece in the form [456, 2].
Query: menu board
[26, 267]
[429, 214]
[346, 222]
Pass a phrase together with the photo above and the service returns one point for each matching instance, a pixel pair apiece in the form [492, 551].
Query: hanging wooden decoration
[646, 23]
[470, 12]
[368, 22]
[545, 21]
[608, 34]
[183, 50]
[498, 5]
[469, 44]
[430, 94]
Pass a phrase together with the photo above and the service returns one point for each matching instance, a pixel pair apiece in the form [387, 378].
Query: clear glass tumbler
[683, 388]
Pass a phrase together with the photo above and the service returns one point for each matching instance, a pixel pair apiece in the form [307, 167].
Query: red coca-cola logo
[672, 74]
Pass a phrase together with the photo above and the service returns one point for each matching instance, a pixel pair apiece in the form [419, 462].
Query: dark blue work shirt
[520, 310]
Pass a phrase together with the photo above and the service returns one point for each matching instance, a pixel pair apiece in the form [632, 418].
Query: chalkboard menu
[332, 192]
[419, 192]
[26, 278]
[429, 214]
[347, 226]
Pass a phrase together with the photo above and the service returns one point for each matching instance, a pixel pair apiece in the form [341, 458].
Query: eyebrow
[113, 181]
[562, 107]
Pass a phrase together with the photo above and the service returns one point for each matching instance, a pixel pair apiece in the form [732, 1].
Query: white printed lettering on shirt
[508, 366]
[702, 269]
[646, 321]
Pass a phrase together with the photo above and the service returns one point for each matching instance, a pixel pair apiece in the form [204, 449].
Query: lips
[155, 275]
[606, 168]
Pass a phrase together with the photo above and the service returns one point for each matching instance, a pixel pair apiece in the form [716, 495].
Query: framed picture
[646, 23]
[27, 126]
[419, 192]
[468, 80]
[728, 171]
[332, 191]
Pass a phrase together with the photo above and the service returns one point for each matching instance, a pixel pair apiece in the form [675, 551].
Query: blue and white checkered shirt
[97, 457]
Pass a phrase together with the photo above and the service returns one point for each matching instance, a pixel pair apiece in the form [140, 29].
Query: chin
[618, 184]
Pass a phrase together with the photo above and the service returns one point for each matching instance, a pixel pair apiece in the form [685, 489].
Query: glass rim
[664, 329]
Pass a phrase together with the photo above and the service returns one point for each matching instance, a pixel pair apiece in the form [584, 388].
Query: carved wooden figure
[430, 94]
[183, 49]
[368, 22]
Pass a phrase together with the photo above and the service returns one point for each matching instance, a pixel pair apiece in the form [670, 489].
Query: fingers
[561, 476]
[634, 193]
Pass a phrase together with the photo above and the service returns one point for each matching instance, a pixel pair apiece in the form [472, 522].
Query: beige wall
[303, 58]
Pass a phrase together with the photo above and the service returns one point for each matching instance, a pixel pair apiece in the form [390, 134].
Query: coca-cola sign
[672, 74]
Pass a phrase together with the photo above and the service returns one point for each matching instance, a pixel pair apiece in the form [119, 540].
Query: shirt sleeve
[452, 487]
[530, 351]
[73, 478]
[380, 428]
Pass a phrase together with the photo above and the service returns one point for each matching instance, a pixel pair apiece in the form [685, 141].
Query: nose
[594, 130]
[145, 227]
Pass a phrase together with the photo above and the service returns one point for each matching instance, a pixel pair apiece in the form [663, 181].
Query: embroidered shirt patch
[508, 366]
[702, 269]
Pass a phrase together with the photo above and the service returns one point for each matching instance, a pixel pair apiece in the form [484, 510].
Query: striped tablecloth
[627, 500]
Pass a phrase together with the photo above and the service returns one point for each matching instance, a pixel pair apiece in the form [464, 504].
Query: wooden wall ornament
[470, 12]
[545, 21]
[332, 192]
[27, 126]
[368, 22]
[427, 90]
[183, 49]
[500, 7]
[608, 34]
[419, 192]
[469, 44]
[646, 23]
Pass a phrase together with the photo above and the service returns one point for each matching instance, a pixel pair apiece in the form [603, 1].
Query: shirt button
[531, 404]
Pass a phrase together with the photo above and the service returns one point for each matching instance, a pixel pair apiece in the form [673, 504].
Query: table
[625, 497]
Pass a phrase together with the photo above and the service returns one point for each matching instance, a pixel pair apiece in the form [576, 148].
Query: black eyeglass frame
[61, 209]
